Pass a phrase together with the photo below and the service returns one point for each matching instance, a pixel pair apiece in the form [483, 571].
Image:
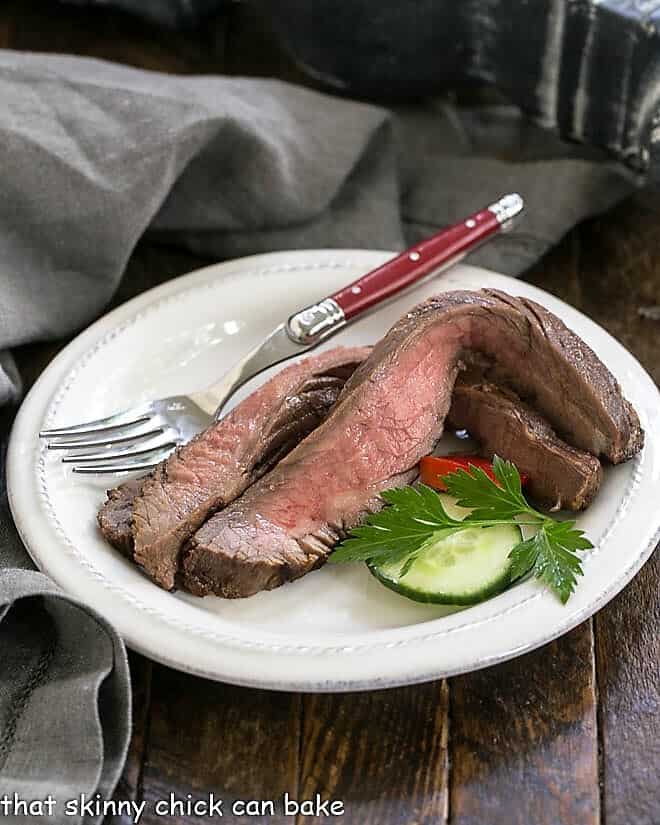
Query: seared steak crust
[580, 397]
[391, 413]
[116, 515]
[560, 476]
[524, 347]
[149, 519]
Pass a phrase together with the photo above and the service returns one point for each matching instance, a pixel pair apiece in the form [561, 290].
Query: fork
[141, 437]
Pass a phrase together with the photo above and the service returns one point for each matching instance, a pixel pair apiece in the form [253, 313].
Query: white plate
[336, 629]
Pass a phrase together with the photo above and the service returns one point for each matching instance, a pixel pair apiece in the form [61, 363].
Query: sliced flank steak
[149, 519]
[391, 413]
[115, 518]
[560, 476]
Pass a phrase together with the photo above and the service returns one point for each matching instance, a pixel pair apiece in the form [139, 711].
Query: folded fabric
[65, 713]
[94, 155]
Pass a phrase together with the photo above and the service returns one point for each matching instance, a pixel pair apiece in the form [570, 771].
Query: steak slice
[527, 349]
[560, 476]
[115, 517]
[148, 519]
[391, 413]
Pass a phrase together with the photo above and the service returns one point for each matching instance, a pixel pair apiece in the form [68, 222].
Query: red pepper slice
[432, 467]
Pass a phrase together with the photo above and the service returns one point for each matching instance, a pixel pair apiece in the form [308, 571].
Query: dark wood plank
[617, 283]
[206, 737]
[625, 252]
[628, 659]
[524, 743]
[383, 753]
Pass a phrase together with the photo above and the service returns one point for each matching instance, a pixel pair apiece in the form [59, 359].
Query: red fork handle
[443, 248]
[318, 321]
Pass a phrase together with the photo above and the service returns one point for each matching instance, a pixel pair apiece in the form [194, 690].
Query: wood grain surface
[239, 744]
[528, 726]
[566, 735]
[628, 674]
[357, 748]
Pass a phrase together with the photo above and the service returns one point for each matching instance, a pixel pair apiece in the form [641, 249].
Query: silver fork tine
[126, 418]
[151, 426]
[127, 467]
[169, 438]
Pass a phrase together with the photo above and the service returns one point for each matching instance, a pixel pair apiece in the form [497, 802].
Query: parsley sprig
[414, 519]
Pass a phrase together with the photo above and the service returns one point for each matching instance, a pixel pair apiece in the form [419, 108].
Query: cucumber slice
[464, 568]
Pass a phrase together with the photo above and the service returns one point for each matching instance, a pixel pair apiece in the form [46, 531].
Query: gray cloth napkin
[93, 155]
[65, 713]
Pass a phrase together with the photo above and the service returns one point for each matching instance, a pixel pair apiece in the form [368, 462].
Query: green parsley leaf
[479, 493]
[523, 558]
[551, 560]
[414, 518]
[550, 553]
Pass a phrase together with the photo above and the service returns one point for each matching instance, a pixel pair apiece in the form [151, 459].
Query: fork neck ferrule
[311, 325]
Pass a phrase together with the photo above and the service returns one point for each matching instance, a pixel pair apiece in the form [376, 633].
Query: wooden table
[568, 734]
